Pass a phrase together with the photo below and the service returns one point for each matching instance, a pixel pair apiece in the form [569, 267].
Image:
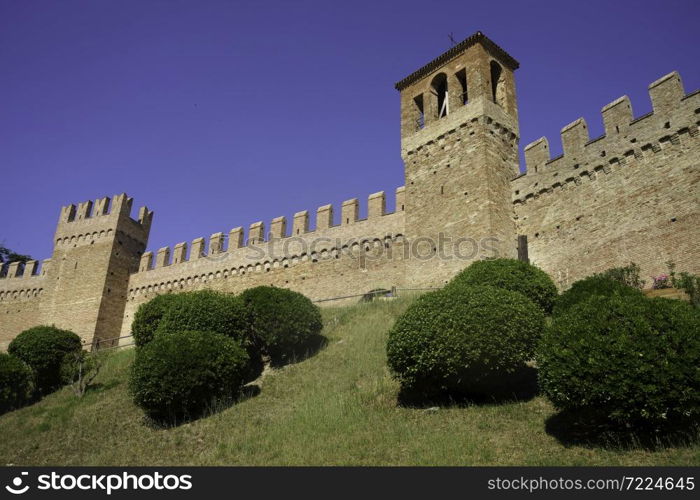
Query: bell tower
[459, 144]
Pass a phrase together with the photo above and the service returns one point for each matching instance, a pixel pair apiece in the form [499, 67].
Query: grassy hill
[338, 407]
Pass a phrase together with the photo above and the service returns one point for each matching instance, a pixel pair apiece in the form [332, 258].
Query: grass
[338, 407]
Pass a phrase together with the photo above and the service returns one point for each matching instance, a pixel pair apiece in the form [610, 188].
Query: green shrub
[596, 285]
[513, 275]
[456, 339]
[183, 374]
[210, 311]
[627, 275]
[43, 349]
[689, 283]
[16, 383]
[284, 322]
[634, 361]
[148, 316]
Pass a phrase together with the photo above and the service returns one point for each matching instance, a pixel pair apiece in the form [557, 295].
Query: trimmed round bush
[596, 285]
[455, 340]
[210, 311]
[148, 316]
[631, 361]
[284, 322]
[183, 374]
[43, 348]
[16, 383]
[513, 275]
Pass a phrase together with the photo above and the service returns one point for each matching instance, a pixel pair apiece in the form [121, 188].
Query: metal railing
[383, 293]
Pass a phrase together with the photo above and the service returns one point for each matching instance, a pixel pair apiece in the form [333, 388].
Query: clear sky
[217, 114]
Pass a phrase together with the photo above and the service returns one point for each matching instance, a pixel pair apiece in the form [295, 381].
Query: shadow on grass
[492, 390]
[163, 423]
[302, 352]
[590, 429]
[102, 387]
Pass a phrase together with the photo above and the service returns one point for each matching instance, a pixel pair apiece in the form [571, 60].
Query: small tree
[80, 368]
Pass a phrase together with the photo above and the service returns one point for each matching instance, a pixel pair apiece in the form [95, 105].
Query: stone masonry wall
[332, 261]
[20, 303]
[632, 195]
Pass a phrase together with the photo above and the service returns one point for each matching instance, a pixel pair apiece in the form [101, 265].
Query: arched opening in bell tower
[438, 89]
[497, 84]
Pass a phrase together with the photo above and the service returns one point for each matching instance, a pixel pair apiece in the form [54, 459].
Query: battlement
[22, 283]
[257, 235]
[103, 209]
[675, 115]
[30, 269]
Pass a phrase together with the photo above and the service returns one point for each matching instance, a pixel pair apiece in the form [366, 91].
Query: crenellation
[350, 212]
[666, 93]
[222, 272]
[376, 205]
[146, 262]
[637, 139]
[101, 206]
[537, 155]
[301, 223]
[180, 253]
[573, 139]
[237, 251]
[620, 198]
[324, 217]
[256, 233]
[197, 249]
[278, 228]
[216, 243]
[617, 116]
[84, 210]
[163, 257]
[145, 217]
[13, 269]
[67, 213]
[235, 238]
[30, 269]
[121, 204]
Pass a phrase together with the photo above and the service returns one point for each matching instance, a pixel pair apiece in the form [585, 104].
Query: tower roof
[477, 37]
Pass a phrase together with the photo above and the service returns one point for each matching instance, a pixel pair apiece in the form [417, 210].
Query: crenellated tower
[96, 247]
[459, 140]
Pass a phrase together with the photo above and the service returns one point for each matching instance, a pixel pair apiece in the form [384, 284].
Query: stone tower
[459, 144]
[96, 247]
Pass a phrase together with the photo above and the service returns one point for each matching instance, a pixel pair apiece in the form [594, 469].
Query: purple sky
[217, 114]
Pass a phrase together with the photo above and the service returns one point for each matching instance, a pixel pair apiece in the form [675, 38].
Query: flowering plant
[661, 281]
